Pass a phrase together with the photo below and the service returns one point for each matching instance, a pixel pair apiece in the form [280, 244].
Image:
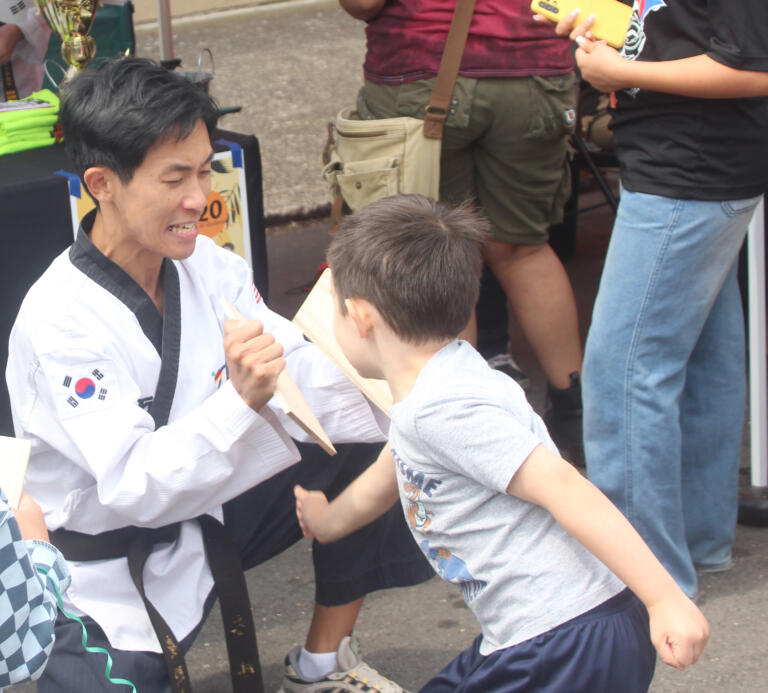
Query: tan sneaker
[352, 674]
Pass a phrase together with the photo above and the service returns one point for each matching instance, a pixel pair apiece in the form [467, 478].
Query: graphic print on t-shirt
[416, 513]
[635, 41]
[415, 486]
[452, 569]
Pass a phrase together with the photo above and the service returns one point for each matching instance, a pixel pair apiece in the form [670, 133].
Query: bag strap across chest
[440, 101]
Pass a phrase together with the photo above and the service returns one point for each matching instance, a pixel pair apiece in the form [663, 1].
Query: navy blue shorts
[263, 524]
[604, 650]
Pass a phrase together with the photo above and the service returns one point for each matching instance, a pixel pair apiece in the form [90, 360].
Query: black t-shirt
[701, 149]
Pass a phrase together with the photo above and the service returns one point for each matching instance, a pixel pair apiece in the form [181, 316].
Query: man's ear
[361, 313]
[101, 182]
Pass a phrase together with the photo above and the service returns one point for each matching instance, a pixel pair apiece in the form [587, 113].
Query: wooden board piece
[14, 456]
[315, 319]
[289, 397]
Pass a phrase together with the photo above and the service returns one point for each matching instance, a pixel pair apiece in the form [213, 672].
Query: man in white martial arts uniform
[24, 36]
[150, 414]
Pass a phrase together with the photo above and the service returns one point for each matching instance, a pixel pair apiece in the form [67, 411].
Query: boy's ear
[360, 312]
[100, 182]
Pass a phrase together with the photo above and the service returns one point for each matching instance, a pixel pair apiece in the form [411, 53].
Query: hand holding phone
[611, 16]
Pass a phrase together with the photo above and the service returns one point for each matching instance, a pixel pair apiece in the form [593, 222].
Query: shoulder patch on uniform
[82, 388]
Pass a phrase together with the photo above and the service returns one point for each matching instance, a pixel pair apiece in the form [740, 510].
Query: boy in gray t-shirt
[488, 499]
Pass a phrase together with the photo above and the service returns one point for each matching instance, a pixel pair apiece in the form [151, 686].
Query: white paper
[14, 456]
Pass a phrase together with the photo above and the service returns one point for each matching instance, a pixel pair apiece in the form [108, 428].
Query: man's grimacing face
[158, 209]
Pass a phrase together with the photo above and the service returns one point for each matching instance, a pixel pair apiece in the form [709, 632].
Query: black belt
[135, 544]
[9, 83]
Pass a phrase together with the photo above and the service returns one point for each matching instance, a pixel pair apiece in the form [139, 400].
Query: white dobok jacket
[83, 369]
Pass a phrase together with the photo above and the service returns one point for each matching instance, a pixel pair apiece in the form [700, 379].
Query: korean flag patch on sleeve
[83, 388]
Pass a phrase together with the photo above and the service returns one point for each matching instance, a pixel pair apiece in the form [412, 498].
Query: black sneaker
[563, 418]
[506, 364]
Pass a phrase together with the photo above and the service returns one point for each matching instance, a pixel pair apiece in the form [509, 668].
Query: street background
[291, 66]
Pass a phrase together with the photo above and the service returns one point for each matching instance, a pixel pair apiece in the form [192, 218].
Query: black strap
[440, 100]
[9, 83]
[160, 409]
[77, 546]
[135, 544]
[220, 549]
[138, 552]
[240, 633]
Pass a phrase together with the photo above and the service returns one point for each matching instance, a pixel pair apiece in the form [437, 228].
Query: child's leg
[605, 649]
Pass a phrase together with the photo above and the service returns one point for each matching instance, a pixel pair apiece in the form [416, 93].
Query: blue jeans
[664, 383]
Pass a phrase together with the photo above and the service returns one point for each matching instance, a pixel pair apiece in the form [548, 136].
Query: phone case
[611, 16]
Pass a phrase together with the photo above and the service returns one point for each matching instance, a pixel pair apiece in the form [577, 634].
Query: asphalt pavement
[292, 66]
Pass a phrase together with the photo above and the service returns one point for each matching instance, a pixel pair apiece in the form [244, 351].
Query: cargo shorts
[505, 145]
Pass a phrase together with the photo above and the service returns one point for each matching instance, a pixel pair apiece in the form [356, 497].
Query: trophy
[71, 20]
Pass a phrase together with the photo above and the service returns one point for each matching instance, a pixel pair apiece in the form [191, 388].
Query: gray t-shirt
[458, 439]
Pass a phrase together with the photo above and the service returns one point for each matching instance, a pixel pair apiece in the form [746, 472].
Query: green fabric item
[13, 147]
[22, 130]
[40, 121]
[29, 134]
[22, 116]
[46, 95]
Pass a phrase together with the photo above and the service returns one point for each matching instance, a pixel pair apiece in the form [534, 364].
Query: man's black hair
[111, 116]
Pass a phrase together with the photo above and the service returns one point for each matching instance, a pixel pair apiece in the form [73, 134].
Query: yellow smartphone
[611, 16]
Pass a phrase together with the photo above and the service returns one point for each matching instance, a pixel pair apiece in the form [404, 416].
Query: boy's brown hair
[417, 261]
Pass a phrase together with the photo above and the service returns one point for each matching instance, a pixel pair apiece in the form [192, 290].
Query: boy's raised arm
[364, 500]
[679, 630]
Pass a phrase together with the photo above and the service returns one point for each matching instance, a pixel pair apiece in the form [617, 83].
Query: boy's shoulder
[458, 391]
[458, 373]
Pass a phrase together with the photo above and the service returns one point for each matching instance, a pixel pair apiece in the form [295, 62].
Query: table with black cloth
[36, 226]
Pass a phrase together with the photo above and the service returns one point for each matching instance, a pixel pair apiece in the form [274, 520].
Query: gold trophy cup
[71, 20]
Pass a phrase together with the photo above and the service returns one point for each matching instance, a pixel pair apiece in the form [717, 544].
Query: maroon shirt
[406, 40]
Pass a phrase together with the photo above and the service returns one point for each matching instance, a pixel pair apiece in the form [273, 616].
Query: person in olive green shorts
[505, 145]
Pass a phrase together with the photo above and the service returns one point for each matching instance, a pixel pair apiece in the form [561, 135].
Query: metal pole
[758, 401]
[164, 29]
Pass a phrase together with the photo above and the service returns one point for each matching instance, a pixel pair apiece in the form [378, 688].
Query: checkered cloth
[27, 600]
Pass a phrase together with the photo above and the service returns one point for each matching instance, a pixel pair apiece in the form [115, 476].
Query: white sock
[314, 665]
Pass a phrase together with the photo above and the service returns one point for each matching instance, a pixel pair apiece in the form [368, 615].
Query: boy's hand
[602, 66]
[254, 360]
[30, 519]
[679, 630]
[312, 511]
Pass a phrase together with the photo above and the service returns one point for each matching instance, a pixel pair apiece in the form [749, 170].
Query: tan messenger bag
[369, 159]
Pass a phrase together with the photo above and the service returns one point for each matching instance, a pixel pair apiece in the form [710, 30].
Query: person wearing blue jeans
[664, 374]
